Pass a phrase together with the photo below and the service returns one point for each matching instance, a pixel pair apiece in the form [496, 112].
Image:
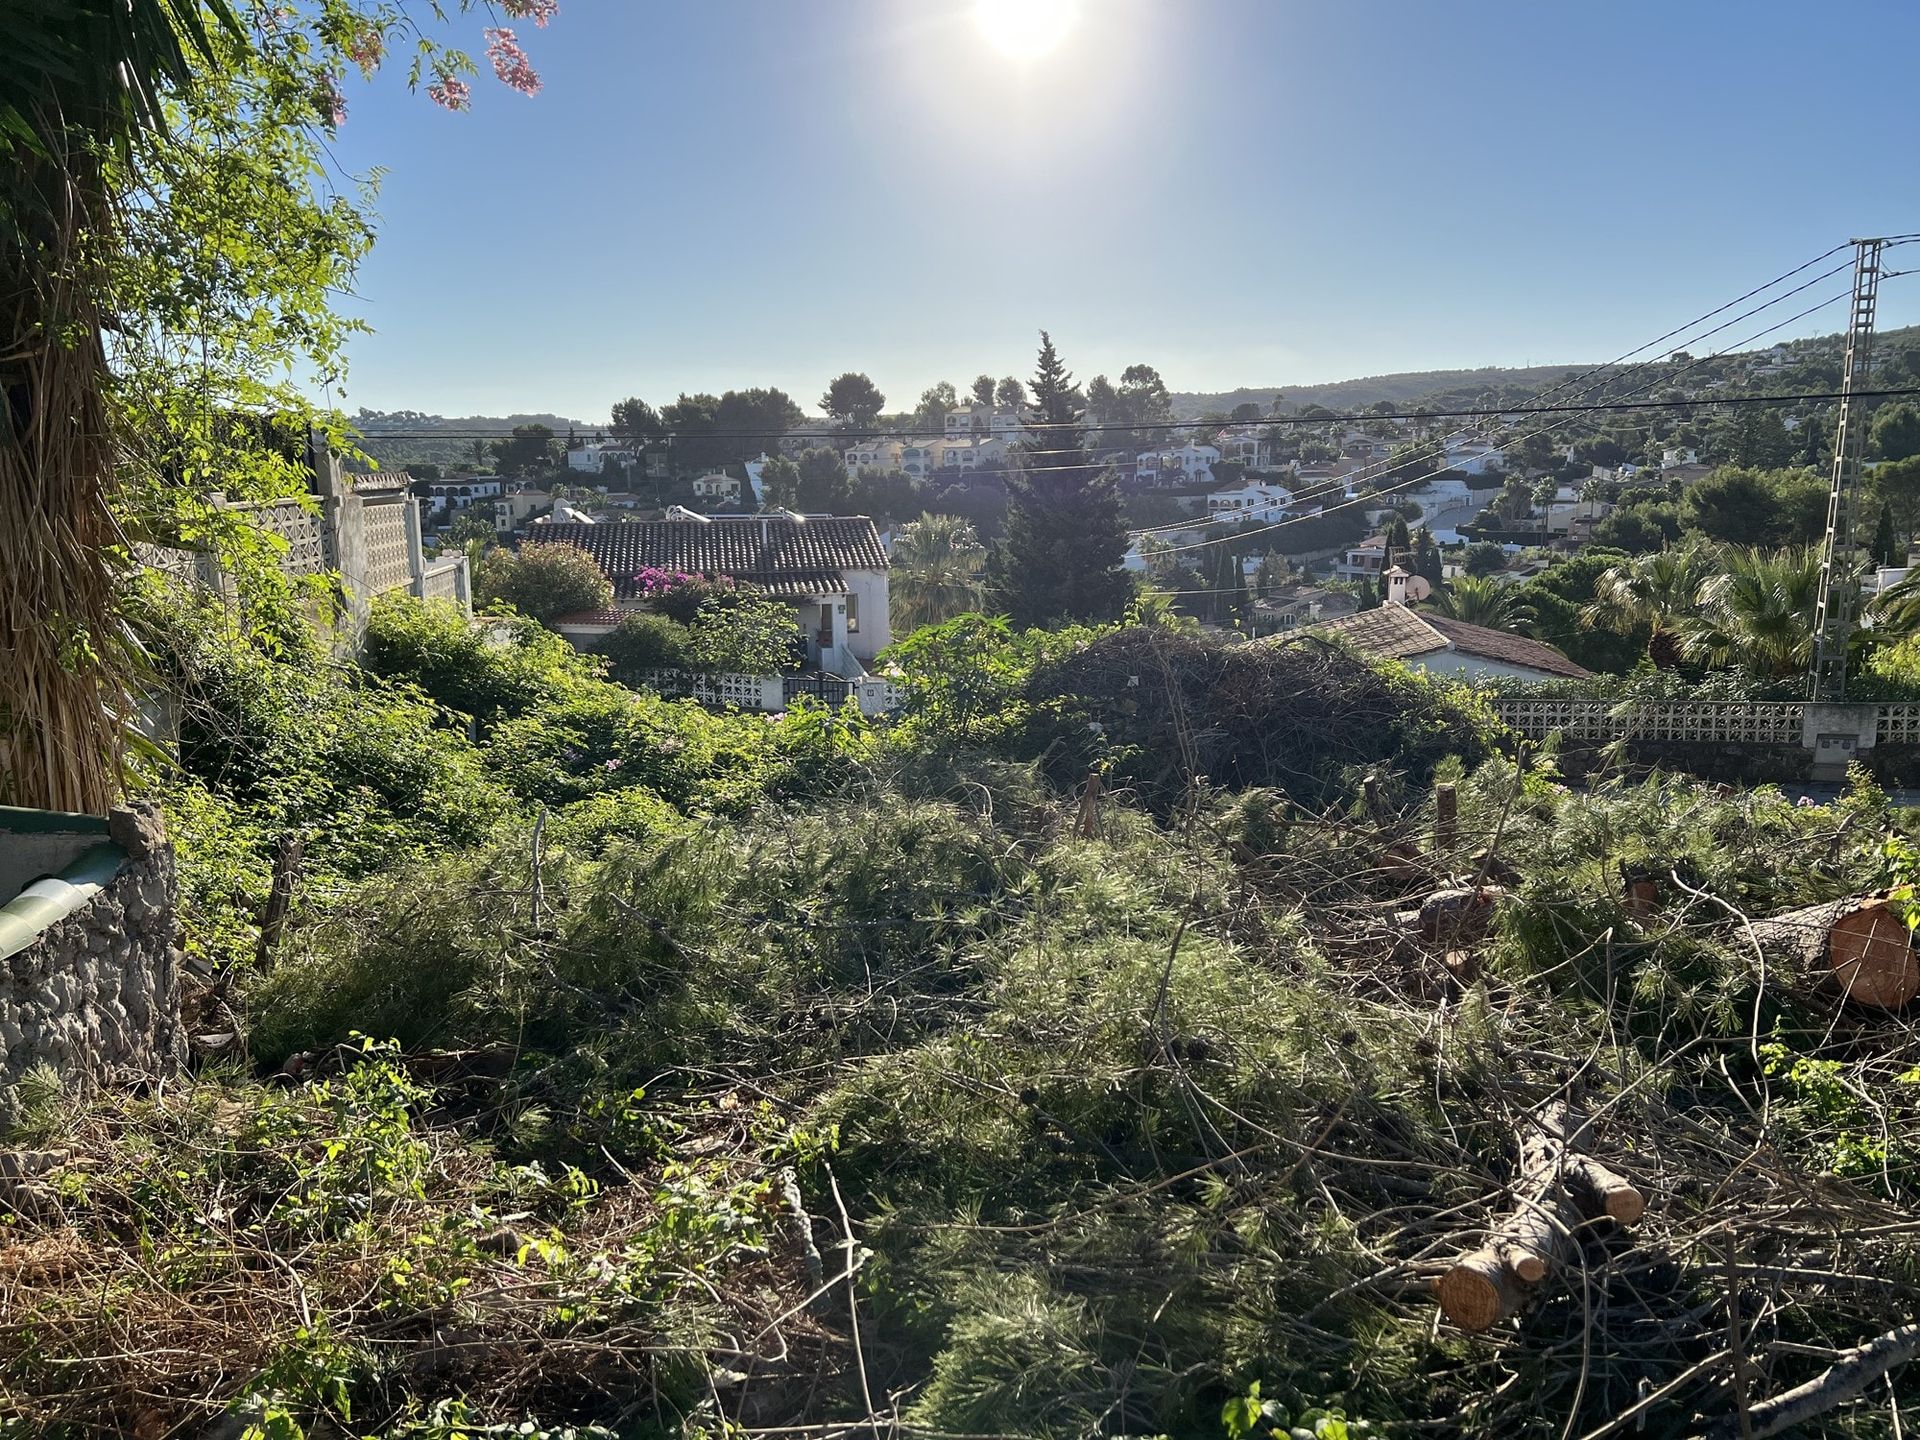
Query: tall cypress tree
[1426, 559]
[1060, 560]
[1886, 548]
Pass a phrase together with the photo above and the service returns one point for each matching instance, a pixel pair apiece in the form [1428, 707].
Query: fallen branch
[1845, 1378]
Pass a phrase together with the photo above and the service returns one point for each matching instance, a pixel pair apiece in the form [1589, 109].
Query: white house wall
[875, 634]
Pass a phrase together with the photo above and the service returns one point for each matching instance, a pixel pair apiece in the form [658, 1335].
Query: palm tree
[1758, 613]
[937, 572]
[1895, 611]
[1660, 591]
[1478, 600]
[80, 83]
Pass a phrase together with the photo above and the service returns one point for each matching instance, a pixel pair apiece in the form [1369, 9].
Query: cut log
[1479, 1291]
[1860, 944]
[1601, 1191]
[1557, 1193]
[1539, 1233]
[1457, 918]
[1401, 861]
[1640, 891]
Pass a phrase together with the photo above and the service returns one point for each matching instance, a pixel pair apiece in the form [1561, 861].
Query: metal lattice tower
[1839, 583]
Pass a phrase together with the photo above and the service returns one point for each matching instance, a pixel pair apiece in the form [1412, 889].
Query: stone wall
[95, 994]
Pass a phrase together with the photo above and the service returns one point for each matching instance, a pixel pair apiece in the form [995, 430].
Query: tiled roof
[1394, 632]
[1491, 644]
[1391, 632]
[592, 617]
[780, 555]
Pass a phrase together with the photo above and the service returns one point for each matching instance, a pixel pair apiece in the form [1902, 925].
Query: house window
[853, 614]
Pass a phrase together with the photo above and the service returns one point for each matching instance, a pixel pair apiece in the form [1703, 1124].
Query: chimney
[1396, 586]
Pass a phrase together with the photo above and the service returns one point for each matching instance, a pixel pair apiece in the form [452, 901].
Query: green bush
[485, 671]
[543, 581]
[644, 642]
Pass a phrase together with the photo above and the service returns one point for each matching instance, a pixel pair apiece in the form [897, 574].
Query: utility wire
[1578, 409]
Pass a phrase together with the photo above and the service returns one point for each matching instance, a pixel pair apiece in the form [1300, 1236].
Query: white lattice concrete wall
[1755, 722]
[388, 564]
[1761, 722]
[297, 523]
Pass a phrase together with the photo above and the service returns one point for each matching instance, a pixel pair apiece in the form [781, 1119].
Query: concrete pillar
[416, 550]
[1837, 735]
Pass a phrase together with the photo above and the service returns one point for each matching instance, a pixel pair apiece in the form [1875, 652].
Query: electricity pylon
[1839, 585]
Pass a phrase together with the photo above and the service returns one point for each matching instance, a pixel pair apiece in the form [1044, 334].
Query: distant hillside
[393, 437]
[1407, 386]
[1428, 386]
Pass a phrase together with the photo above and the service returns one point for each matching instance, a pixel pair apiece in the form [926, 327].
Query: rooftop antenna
[1839, 603]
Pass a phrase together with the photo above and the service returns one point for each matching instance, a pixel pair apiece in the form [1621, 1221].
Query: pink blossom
[538, 11]
[366, 50]
[611, 765]
[450, 94]
[510, 62]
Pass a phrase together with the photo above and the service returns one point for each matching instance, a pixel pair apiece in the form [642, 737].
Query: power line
[1482, 413]
[1587, 409]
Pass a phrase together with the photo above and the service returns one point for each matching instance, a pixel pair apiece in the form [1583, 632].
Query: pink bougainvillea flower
[510, 62]
[450, 94]
[538, 11]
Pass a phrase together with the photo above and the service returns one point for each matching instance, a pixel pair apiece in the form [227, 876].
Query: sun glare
[1025, 29]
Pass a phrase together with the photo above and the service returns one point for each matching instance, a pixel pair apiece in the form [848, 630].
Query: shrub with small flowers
[678, 595]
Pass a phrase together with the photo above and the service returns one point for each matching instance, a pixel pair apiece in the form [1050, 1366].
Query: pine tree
[1886, 549]
[1060, 560]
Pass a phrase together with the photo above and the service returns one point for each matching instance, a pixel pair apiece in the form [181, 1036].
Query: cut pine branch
[1559, 1193]
[1861, 945]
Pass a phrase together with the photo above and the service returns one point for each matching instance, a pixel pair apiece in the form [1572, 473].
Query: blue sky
[713, 194]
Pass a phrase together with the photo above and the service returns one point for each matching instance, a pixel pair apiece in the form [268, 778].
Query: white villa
[973, 418]
[1255, 500]
[1190, 464]
[445, 497]
[832, 569]
[596, 456]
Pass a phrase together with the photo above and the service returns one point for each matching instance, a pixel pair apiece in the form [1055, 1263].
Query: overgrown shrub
[1163, 709]
[503, 668]
[644, 642]
[544, 581]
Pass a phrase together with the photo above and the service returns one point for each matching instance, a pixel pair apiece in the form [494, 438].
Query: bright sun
[1025, 29]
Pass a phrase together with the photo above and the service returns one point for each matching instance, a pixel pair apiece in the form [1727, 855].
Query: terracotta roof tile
[1394, 632]
[1500, 645]
[780, 555]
